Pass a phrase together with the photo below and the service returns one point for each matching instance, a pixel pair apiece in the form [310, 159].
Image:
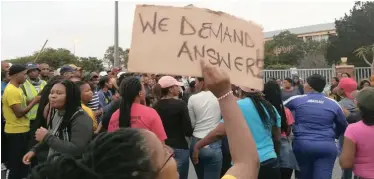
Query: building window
[307, 38]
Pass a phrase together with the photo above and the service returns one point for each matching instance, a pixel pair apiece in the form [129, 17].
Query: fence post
[333, 70]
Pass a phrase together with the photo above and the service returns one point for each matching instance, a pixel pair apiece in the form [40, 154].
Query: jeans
[182, 156]
[287, 158]
[316, 158]
[210, 160]
[346, 173]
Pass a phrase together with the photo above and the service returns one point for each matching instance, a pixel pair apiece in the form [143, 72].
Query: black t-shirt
[176, 121]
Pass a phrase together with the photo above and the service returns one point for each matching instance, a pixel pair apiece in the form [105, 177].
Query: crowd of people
[113, 124]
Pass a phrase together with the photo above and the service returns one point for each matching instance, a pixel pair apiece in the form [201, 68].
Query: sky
[87, 28]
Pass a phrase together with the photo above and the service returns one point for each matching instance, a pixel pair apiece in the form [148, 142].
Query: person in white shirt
[205, 115]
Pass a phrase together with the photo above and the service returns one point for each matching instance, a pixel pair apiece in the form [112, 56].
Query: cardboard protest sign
[172, 40]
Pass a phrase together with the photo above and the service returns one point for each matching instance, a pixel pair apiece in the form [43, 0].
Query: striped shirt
[94, 103]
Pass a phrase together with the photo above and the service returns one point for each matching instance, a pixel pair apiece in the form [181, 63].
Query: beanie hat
[317, 82]
[348, 85]
[14, 69]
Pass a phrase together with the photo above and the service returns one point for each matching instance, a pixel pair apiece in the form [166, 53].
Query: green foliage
[364, 53]
[314, 54]
[279, 67]
[354, 30]
[21, 60]
[56, 58]
[312, 47]
[123, 55]
[283, 49]
[91, 64]
[287, 50]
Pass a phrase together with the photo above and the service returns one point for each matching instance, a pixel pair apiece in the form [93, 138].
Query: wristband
[225, 95]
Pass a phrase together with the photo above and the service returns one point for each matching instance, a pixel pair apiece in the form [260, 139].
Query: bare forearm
[28, 108]
[242, 146]
[19, 111]
[210, 138]
[276, 146]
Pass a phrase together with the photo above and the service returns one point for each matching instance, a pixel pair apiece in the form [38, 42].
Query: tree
[109, 56]
[21, 60]
[365, 53]
[53, 57]
[314, 54]
[57, 57]
[283, 49]
[354, 30]
[91, 64]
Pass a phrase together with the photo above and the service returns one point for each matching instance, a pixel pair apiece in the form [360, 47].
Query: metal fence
[360, 73]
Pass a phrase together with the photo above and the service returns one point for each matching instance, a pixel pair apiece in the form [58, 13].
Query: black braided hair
[44, 100]
[263, 106]
[122, 77]
[129, 90]
[117, 155]
[273, 94]
[72, 102]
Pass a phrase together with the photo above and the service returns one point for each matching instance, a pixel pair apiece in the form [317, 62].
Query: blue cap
[32, 66]
[65, 69]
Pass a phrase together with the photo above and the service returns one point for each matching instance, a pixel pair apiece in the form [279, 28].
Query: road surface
[336, 173]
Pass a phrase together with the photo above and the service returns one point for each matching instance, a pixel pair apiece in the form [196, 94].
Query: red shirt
[290, 119]
[142, 117]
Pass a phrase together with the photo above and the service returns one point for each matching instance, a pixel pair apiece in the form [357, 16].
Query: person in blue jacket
[319, 120]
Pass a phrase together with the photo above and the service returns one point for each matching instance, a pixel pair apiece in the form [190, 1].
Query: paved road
[336, 173]
[192, 174]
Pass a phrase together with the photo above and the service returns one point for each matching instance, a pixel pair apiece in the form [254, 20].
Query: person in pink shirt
[358, 139]
[132, 113]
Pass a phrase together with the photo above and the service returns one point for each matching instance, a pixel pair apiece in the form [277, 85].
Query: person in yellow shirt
[17, 125]
[91, 115]
[86, 96]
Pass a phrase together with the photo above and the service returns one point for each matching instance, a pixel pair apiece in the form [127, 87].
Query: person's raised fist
[215, 79]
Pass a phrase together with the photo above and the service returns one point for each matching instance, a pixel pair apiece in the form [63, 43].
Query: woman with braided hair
[42, 116]
[69, 129]
[286, 159]
[132, 113]
[138, 154]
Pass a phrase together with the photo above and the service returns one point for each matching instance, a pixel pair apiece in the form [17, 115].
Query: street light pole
[116, 54]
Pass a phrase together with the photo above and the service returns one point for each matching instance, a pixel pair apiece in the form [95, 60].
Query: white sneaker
[3, 167]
